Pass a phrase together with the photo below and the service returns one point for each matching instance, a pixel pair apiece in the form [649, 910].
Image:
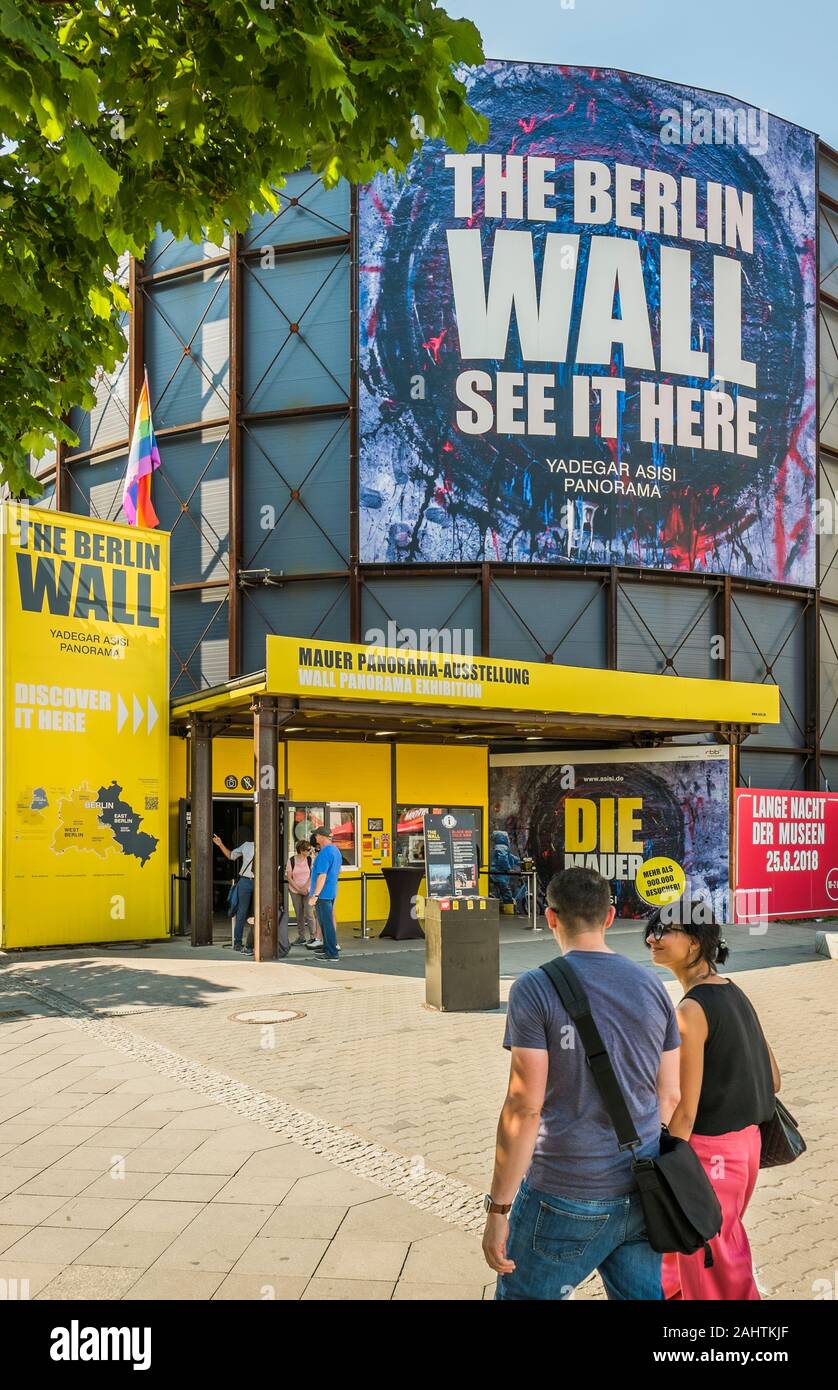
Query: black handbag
[681, 1210]
[780, 1139]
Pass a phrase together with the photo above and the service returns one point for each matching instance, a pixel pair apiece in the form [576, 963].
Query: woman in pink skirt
[728, 1081]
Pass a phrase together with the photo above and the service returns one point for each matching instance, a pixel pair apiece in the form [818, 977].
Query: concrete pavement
[153, 1144]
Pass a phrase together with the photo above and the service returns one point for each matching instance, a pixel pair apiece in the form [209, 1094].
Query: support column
[266, 831]
[485, 609]
[355, 617]
[136, 353]
[725, 620]
[612, 648]
[200, 794]
[234, 450]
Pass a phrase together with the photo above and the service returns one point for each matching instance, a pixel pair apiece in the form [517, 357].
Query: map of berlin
[101, 823]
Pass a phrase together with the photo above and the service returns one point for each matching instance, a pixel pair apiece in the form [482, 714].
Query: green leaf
[99, 302]
[82, 154]
[326, 71]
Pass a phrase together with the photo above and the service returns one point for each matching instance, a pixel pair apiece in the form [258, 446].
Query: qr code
[151, 803]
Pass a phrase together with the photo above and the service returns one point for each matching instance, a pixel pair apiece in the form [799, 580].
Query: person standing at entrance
[728, 1081]
[246, 852]
[324, 874]
[559, 1172]
[298, 878]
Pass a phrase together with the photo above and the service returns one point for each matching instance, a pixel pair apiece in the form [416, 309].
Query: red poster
[786, 854]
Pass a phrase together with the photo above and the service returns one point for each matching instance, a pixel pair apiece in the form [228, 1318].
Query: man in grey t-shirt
[577, 1209]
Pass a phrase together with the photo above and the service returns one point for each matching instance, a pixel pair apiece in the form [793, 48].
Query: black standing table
[403, 886]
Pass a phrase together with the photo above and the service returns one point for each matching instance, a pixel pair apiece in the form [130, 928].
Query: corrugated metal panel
[193, 470]
[828, 176]
[199, 651]
[319, 609]
[531, 617]
[828, 251]
[96, 488]
[769, 632]
[426, 609]
[828, 522]
[46, 502]
[108, 421]
[166, 251]
[317, 212]
[190, 312]
[829, 680]
[783, 770]
[828, 330]
[660, 621]
[286, 369]
[287, 535]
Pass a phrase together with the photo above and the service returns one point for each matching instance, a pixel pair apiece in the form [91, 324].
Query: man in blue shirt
[563, 1200]
[324, 877]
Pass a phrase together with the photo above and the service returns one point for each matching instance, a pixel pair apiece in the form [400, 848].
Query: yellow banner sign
[347, 671]
[84, 608]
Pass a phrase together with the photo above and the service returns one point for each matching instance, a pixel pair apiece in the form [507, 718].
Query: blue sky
[779, 55]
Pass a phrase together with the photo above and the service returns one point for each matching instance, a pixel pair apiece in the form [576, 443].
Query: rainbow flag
[143, 459]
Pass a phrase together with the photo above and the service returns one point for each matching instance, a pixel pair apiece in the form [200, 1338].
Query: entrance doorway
[233, 820]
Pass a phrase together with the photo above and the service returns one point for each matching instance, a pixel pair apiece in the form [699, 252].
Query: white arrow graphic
[121, 713]
[152, 714]
[138, 714]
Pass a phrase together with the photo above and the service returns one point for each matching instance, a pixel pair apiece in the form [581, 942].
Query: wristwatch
[495, 1208]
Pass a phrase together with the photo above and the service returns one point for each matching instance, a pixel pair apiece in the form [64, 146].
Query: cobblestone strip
[452, 1201]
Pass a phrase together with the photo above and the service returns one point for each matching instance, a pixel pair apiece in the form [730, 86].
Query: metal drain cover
[266, 1016]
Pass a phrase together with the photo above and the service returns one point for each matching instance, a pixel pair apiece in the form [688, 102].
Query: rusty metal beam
[612, 647]
[234, 455]
[354, 461]
[266, 830]
[200, 794]
[136, 345]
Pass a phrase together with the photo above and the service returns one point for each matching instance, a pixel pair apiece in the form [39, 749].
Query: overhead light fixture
[535, 738]
[385, 733]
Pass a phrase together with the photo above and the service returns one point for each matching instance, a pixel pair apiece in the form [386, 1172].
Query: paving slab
[348, 1290]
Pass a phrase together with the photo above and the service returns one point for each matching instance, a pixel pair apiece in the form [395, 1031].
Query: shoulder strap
[570, 990]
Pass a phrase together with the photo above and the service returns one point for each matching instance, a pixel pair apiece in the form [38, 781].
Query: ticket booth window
[340, 817]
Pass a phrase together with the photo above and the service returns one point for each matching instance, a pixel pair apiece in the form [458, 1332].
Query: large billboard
[654, 822]
[84, 611]
[592, 339]
[786, 854]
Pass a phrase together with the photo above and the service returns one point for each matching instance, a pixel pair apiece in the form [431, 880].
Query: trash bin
[462, 953]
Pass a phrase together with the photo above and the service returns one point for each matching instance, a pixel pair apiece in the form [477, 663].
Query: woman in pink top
[298, 878]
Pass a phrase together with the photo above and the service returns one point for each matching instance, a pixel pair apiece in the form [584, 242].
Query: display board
[451, 866]
[592, 339]
[786, 854]
[84, 609]
[654, 822]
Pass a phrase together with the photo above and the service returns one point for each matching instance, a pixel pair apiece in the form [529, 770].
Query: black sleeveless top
[737, 1089]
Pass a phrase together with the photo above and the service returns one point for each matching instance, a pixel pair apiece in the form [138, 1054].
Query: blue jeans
[244, 898]
[325, 909]
[556, 1242]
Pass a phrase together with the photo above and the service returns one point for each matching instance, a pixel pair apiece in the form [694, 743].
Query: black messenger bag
[681, 1209]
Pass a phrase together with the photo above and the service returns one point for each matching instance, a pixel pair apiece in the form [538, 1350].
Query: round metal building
[262, 366]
